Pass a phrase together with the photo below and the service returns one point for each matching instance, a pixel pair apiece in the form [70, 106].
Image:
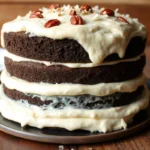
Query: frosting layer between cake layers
[102, 120]
[48, 89]
[17, 58]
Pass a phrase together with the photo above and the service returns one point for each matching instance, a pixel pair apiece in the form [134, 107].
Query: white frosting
[2, 54]
[100, 36]
[71, 65]
[48, 89]
[103, 120]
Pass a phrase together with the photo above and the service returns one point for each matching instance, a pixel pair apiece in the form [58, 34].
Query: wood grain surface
[140, 141]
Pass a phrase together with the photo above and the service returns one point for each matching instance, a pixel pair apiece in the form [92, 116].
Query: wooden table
[140, 141]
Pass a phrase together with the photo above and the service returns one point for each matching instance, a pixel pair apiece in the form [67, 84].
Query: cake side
[36, 72]
[79, 102]
[66, 50]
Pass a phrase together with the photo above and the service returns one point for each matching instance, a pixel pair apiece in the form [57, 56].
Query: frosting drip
[100, 36]
[104, 120]
[47, 89]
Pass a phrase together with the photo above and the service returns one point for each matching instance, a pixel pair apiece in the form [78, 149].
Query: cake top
[100, 31]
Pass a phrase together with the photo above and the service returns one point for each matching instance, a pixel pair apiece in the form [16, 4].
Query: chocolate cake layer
[66, 50]
[36, 72]
[82, 101]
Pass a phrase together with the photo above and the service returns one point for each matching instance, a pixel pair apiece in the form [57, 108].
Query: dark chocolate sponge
[66, 50]
[35, 72]
[81, 101]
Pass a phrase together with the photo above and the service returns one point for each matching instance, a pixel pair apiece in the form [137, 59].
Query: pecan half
[108, 12]
[51, 23]
[36, 14]
[87, 8]
[54, 6]
[122, 19]
[76, 20]
[72, 13]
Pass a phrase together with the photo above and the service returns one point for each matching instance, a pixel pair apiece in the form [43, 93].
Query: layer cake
[74, 67]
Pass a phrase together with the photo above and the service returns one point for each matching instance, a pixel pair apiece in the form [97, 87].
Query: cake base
[48, 135]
